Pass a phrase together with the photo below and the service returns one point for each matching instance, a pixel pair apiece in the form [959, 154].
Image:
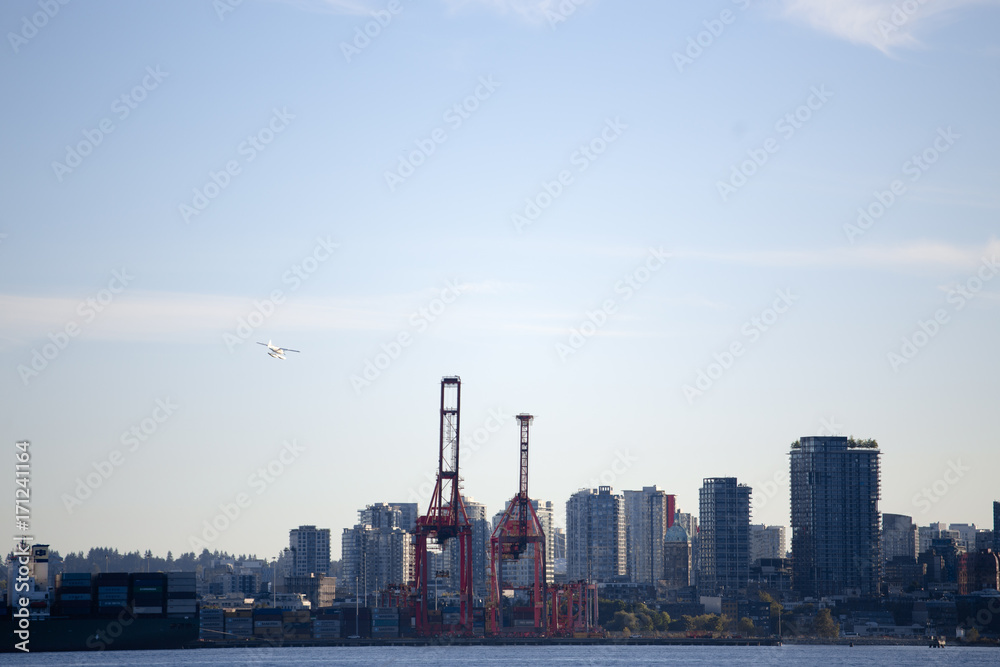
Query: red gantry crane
[445, 520]
[518, 528]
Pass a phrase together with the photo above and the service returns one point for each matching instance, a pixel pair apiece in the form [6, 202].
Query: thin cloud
[534, 12]
[921, 255]
[165, 316]
[882, 24]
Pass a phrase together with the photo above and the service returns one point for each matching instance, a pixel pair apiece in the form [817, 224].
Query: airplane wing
[264, 344]
[285, 349]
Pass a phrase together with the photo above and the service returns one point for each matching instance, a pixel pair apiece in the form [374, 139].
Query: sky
[681, 235]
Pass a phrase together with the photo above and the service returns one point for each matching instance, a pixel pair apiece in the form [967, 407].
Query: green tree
[746, 627]
[776, 608]
[716, 623]
[607, 610]
[622, 620]
[825, 625]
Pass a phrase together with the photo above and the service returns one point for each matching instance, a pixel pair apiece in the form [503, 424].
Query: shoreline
[578, 641]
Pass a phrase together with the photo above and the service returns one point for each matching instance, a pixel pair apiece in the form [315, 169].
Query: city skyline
[680, 236]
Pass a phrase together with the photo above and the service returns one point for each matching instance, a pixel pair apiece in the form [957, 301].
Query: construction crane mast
[446, 519]
[518, 528]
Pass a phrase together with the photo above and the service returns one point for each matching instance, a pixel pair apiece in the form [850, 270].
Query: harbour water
[630, 656]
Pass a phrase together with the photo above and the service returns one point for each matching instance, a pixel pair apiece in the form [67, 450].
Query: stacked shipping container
[239, 623]
[182, 594]
[296, 624]
[147, 593]
[212, 624]
[267, 623]
[385, 622]
[112, 593]
[74, 594]
[327, 624]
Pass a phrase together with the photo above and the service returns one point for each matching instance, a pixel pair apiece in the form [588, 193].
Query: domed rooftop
[676, 533]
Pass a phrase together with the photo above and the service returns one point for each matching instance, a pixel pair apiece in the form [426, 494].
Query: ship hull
[103, 634]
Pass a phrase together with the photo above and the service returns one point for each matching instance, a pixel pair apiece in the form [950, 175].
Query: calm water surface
[744, 656]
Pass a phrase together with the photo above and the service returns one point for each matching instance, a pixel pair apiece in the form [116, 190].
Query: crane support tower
[518, 529]
[574, 609]
[446, 519]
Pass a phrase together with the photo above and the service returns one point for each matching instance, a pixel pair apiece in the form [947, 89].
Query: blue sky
[638, 221]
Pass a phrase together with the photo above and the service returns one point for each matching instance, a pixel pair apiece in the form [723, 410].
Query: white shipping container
[148, 610]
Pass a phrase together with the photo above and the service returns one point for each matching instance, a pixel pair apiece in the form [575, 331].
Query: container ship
[84, 612]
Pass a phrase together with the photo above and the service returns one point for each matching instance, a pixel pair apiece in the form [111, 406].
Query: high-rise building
[724, 536]
[595, 536]
[481, 532]
[676, 558]
[899, 537]
[376, 553]
[996, 526]
[408, 513]
[310, 548]
[648, 514]
[689, 523]
[766, 542]
[559, 543]
[835, 516]
[381, 515]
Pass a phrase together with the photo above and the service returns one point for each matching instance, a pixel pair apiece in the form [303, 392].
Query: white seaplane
[275, 351]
